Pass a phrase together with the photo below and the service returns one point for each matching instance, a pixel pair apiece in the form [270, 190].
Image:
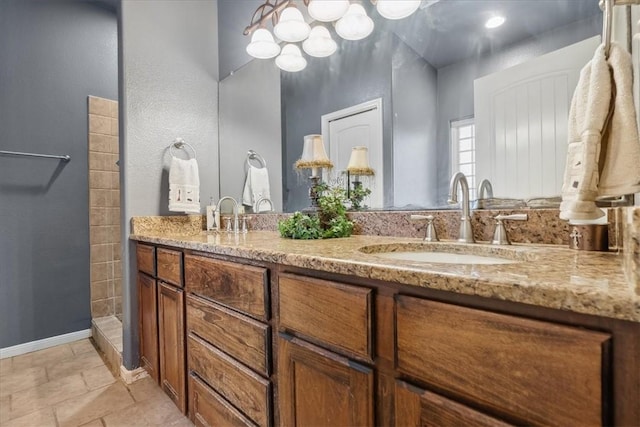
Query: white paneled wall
[521, 122]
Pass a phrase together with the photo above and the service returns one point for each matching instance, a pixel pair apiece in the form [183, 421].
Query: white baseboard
[129, 377]
[28, 347]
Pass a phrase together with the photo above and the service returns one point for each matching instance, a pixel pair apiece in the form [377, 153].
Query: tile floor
[70, 385]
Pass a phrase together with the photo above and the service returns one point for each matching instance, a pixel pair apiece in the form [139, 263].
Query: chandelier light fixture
[349, 18]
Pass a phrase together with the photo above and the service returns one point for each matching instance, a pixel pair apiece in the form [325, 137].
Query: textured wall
[53, 55]
[169, 68]
[251, 92]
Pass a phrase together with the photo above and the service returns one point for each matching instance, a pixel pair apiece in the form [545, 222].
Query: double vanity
[252, 329]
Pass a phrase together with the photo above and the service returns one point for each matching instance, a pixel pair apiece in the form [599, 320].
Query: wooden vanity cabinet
[228, 343]
[161, 319]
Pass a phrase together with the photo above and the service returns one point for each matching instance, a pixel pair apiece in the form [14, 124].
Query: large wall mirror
[444, 79]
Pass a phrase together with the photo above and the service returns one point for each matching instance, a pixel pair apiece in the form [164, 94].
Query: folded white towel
[256, 187]
[184, 186]
[620, 160]
[587, 116]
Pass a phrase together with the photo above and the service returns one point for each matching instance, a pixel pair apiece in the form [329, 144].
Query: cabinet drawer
[242, 387]
[170, 266]
[538, 372]
[146, 258]
[417, 407]
[330, 312]
[208, 408]
[239, 286]
[240, 336]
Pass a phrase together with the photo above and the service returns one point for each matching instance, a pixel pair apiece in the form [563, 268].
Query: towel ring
[252, 155]
[607, 8]
[180, 144]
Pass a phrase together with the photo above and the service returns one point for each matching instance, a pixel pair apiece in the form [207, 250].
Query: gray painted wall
[169, 72]
[233, 17]
[455, 83]
[250, 119]
[414, 92]
[53, 55]
[360, 71]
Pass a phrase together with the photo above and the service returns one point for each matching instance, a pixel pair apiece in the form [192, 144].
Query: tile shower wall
[104, 208]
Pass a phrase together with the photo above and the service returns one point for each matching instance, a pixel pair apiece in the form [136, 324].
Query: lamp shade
[262, 45]
[355, 24]
[397, 9]
[319, 43]
[291, 26]
[290, 59]
[359, 161]
[313, 154]
[327, 10]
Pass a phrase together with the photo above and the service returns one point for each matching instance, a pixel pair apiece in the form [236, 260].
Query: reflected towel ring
[180, 144]
[252, 155]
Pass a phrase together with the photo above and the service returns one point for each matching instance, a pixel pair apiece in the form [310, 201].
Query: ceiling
[442, 32]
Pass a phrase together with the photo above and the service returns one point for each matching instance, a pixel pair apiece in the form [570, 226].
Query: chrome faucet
[235, 211]
[466, 232]
[485, 187]
[262, 200]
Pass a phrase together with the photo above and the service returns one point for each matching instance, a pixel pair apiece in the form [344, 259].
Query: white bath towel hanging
[587, 116]
[620, 166]
[184, 186]
[256, 187]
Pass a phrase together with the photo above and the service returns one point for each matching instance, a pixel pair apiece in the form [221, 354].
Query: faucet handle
[500, 236]
[430, 234]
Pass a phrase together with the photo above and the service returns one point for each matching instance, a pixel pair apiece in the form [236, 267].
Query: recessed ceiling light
[494, 22]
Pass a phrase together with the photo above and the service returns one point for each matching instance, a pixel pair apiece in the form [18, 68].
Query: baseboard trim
[28, 347]
[129, 377]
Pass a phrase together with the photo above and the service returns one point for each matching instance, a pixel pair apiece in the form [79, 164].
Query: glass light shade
[327, 10]
[359, 161]
[291, 26]
[313, 150]
[319, 43]
[262, 45]
[290, 59]
[355, 24]
[494, 22]
[397, 9]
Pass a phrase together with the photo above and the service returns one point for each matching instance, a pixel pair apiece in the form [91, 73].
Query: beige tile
[100, 253]
[114, 127]
[115, 180]
[100, 179]
[99, 271]
[153, 412]
[95, 423]
[22, 380]
[116, 252]
[114, 233]
[99, 235]
[113, 215]
[115, 198]
[100, 161]
[98, 216]
[117, 268]
[4, 408]
[98, 377]
[40, 418]
[114, 335]
[145, 389]
[101, 143]
[47, 394]
[82, 346]
[94, 404]
[113, 163]
[5, 365]
[78, 363]
[113, 110]
[117, 287]
[44, 357]
[103, 307]
[99, 198]
[117, 307]
[108, 323]
[99, 124]
[101, 290]
[100, 106]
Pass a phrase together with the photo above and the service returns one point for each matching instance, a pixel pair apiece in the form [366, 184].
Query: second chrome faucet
[466, 231]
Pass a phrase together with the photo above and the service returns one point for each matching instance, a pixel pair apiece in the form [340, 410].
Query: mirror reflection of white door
[358, 125]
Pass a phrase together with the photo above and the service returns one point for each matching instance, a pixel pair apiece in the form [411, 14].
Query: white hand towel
[620, 168]
[256, 187]
[184, 186]
[589, 109]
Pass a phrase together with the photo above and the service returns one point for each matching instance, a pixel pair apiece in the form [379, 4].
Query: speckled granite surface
[546, 276]
[632, 247]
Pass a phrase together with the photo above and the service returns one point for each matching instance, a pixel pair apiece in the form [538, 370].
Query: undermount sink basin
[446, 253]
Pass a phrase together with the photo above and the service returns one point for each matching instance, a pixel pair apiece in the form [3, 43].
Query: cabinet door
[171, 333]
[417, 407]
[148, 325]
[320, 388]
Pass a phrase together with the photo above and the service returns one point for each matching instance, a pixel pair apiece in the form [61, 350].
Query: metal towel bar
[64, 158]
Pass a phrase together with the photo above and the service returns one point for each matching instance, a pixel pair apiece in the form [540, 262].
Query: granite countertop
[545, 275]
